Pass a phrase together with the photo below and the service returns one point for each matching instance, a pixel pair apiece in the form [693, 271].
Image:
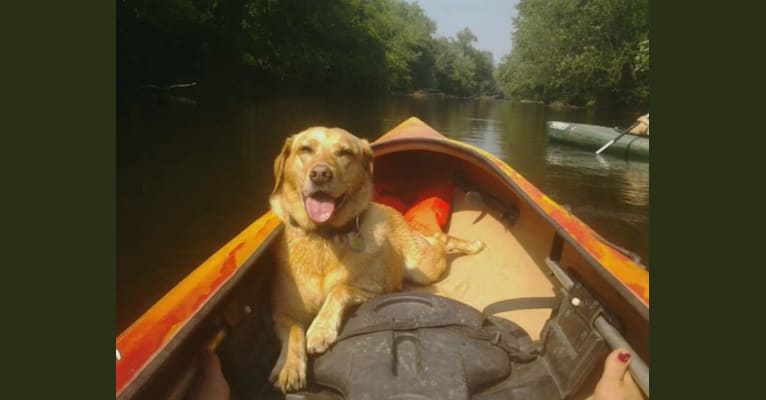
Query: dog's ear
[279, 164]
[367, 156]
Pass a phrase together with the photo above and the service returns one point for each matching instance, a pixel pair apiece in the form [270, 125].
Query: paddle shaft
[611, 142]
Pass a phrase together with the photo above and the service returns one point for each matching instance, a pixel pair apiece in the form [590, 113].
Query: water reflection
[636, 189]
[486, 134]
[630, 178]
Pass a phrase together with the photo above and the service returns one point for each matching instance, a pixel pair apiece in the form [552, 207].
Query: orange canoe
[218, 319]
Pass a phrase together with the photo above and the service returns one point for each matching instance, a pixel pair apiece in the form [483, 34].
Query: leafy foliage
[579, 52]
[347, 44]
[461, 69]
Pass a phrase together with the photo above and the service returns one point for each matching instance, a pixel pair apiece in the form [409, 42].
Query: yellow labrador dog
[338, 248]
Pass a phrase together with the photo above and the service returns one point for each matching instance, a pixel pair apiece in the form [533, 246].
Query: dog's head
[323, 178]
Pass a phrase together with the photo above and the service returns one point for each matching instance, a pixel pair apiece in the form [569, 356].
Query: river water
[194, 172]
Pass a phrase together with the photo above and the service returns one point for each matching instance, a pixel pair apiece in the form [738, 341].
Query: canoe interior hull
[513, 265]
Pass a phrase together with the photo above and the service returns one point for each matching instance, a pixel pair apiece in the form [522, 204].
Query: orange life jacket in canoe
[429, 212]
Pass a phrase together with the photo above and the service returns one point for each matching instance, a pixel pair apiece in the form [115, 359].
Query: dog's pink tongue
[320, 207]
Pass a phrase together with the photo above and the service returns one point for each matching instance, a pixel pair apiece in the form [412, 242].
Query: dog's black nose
[320, 173]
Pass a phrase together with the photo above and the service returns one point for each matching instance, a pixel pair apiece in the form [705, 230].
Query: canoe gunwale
[154, 363]
[436, 144]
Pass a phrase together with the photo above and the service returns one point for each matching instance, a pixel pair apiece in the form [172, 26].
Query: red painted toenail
[624, 357]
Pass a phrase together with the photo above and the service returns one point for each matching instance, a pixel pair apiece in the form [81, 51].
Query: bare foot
[616, 383]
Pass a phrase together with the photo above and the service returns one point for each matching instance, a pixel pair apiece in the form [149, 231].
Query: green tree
[341, 44]
[159, 41]
[579, 51]
[462, 69]
[406, 33]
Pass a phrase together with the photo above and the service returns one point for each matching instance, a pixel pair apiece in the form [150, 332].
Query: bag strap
[524, 303]
[406, 325]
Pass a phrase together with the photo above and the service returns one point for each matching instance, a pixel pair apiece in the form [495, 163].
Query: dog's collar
[328, 231]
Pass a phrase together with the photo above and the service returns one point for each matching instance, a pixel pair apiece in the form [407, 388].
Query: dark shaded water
[192, 175]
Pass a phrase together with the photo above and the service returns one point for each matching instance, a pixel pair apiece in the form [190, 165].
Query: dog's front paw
[319, 337]
[292, 376]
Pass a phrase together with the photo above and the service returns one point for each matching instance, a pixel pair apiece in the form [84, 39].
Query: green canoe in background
[593, 137]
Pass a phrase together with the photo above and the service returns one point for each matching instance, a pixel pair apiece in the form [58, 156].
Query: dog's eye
[306, 150]
[345, 152]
